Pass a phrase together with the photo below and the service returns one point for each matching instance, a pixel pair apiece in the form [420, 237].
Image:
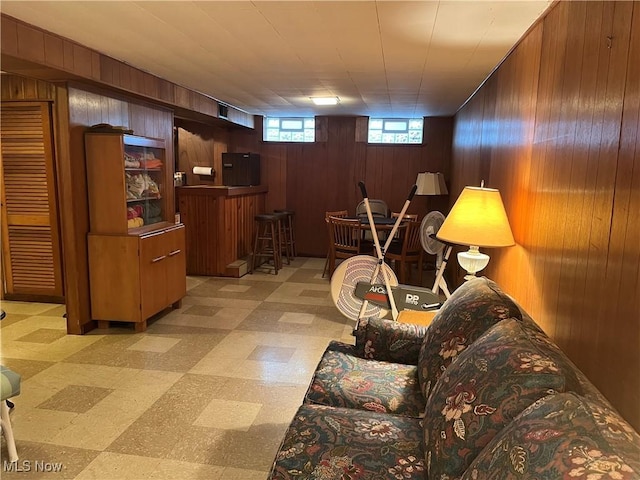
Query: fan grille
[431, 223]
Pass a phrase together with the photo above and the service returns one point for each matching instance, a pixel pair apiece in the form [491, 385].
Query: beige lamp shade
[477, 218]
[431, 184]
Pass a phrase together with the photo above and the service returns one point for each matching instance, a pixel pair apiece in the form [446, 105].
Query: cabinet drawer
[154, 248]
[175, 239]
[153, 272]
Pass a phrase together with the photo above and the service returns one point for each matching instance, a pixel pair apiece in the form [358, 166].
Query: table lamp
[477, 219]
[431, 184]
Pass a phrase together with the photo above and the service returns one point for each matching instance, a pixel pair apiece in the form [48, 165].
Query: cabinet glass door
[144, 177]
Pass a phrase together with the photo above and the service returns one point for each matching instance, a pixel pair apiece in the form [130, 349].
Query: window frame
[303, 130]
[394, 131]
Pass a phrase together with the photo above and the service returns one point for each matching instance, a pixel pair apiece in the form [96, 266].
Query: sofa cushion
[388, 340]
[344, 379]
[561, 436]
[468, 313]
[494, 379]
[334, 443]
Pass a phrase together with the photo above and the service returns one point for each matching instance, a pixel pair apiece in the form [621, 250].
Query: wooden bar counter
[219, 223]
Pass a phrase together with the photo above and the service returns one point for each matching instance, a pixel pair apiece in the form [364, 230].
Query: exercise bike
[361, 284]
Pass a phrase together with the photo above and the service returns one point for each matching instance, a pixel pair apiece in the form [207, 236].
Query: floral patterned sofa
[481, 393]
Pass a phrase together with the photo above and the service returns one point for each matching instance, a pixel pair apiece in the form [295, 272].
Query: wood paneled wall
[14, 87]
[200, 145]
[555, 129]
[313, 178]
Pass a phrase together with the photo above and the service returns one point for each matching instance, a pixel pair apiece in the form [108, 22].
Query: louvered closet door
[30, 238]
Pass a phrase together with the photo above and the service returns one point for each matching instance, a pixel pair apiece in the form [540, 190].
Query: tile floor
[206, 392]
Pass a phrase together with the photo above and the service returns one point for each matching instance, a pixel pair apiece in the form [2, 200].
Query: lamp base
[469, 276]
[472, 261]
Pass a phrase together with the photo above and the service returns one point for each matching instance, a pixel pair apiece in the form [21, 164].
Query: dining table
[381, 223]
[383, 226]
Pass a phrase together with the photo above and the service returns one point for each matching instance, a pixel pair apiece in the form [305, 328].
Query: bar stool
[266, 243]
[282, 236]
[290, 236]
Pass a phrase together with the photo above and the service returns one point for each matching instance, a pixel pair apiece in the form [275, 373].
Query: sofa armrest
[388, 340]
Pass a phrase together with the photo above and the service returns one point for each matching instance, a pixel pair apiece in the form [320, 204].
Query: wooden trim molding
[30, 51]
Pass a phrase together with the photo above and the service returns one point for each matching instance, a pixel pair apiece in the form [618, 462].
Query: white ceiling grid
[382, 58]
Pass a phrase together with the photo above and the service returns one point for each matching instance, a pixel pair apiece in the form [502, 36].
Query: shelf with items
[143, 170]
[142, 199]
[130, 168]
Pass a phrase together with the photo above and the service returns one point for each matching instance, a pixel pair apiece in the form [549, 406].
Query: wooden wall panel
[322, 177]
[619, 315]
[31, 51]
[314, 178]
[200, 261]
[246, 208]
[200, 145]
[196, 151]
[555, 129]
[13, 87]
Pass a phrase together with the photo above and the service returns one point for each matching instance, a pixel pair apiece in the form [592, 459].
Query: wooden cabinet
[133, 277]
[137, 263]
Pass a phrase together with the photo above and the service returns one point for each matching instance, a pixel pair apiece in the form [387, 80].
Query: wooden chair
[408, 217]
[335, 213]
[345, 240]
[407, 252]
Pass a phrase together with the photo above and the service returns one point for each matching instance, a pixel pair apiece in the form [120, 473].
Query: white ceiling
[382, 58]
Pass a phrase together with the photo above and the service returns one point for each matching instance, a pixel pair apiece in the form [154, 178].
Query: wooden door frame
[74, 242]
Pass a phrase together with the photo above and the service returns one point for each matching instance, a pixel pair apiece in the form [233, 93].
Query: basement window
[395, 130]
[289, 129]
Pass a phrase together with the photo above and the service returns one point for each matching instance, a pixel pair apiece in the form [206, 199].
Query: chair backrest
[379, 208]
[336, 213]
[411, 244]
[345, 234]
[407, 216]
